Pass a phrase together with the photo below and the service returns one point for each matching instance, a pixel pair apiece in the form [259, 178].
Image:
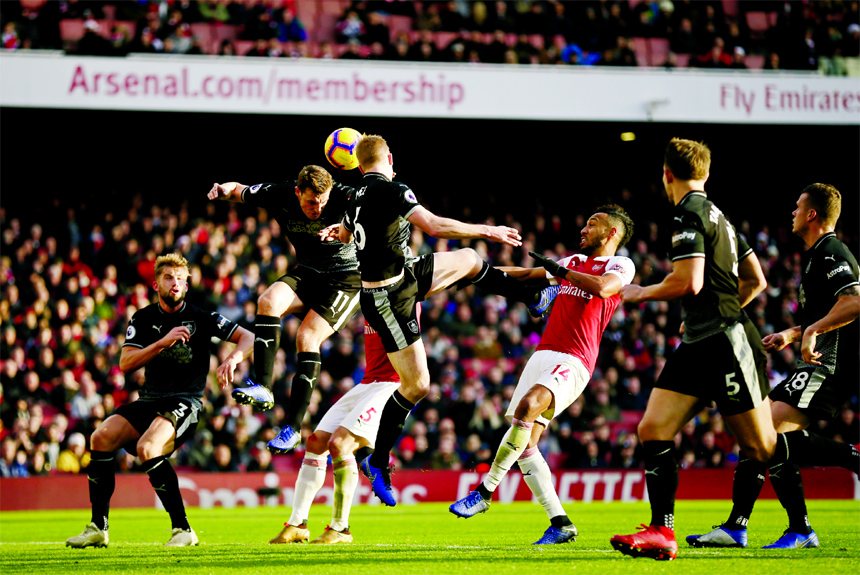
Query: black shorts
[816, 393]
[754, 339]
[390, 310]
[334, 296]
[721, 368]
[180, 412]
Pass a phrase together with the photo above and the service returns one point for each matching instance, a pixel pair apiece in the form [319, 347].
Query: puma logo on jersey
[157, 328]
[265, 341]
[830, 257]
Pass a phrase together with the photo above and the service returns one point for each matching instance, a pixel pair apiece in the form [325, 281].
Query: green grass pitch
[422, 539]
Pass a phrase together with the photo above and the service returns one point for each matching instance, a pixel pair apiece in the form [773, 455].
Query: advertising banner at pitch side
[479, 91]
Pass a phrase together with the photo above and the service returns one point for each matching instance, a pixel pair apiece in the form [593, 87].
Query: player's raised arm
[603, 286]
[450, 229]
[230, 191]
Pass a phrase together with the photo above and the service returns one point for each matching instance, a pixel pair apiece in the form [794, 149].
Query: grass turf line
[423, 539]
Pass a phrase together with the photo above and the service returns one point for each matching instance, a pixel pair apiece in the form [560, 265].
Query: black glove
[549, 265]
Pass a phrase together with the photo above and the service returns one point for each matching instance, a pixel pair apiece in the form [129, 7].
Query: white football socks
[513, 444]
[539, 479]
[345, 482]
[310, 480]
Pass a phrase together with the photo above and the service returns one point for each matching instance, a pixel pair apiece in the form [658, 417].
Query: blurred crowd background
[821, 35]
[68, 290]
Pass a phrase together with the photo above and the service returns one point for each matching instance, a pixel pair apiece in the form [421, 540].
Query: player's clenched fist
[218, 192]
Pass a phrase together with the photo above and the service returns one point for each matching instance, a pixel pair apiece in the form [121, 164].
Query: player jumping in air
[323, 287]
[557, 373]
[378, 219]
[171, 338]
[826, 375]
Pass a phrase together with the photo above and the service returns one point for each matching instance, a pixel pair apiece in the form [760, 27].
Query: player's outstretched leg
[256, 395]
[182, 538]
[332, 536]
[653, 541]
[380, 481]
[471, 505]
[721, 536]
[547, 295]
[91, 536]
[793, 540]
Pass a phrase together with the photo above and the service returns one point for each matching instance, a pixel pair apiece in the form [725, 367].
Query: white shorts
[360, 410]
[563, 374]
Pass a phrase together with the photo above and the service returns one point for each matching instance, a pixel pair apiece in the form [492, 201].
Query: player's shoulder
[832, 248]
[145, 312]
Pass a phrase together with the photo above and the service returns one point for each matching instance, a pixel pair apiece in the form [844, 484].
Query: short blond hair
[688, 160]
[169, 261]
[370, 150]
[826, 201]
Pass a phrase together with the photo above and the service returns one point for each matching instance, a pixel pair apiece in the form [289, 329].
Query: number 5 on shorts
[733, 387]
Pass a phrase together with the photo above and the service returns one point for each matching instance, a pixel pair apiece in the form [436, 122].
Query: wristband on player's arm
[549, 265]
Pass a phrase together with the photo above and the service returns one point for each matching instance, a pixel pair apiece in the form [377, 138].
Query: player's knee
[649, 431]
[267, 304]
[102, 440]
[759, 451]
[477, 262]
[147, 450]
[528, 408]
[315, 444]
[336, 446]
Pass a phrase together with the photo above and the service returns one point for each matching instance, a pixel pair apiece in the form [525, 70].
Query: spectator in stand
[349, 27]
[92, 43]
[290, 28]
[376, 31]
[75, 457]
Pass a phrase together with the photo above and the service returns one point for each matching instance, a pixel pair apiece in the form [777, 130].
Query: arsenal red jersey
[377, 367]
[578, 318]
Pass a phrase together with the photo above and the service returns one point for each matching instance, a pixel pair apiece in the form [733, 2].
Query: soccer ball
[340, 148]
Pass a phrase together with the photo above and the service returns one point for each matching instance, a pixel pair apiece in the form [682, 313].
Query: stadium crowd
[67, 295]
[792, 35]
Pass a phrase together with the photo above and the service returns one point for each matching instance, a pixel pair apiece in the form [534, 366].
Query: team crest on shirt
[192, 326]
[413, 326]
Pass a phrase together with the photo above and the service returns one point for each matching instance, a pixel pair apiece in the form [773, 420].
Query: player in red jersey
[350, 424]
[561, 366]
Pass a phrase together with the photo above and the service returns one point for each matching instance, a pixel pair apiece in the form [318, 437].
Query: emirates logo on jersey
[568, 289]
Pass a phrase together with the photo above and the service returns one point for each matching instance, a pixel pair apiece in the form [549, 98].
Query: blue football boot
[470, 505]
[556, 535]
[286, 440]
[793, 540]
[256, 395]
[380, 482]
[721, 536]
[547, 295]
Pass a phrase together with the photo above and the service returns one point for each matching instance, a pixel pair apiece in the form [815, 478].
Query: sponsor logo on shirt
[568, 289]
[678, 238]
[842, 268]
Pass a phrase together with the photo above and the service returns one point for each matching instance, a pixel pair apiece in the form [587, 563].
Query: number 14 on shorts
[561, 373]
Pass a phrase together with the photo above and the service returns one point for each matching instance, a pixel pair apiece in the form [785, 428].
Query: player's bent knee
[649, 431]
[103, 440]
[315, 444]
[148, 450]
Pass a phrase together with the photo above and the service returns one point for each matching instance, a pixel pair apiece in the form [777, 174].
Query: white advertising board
[350, 88]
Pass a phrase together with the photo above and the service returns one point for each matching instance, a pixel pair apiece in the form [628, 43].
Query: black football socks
[748, 481]
[267, 340]
[788, 485]
[391, 423]
[102, 482]
[495, 281]
[307, 372]
[661, 478]
[166, 484]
